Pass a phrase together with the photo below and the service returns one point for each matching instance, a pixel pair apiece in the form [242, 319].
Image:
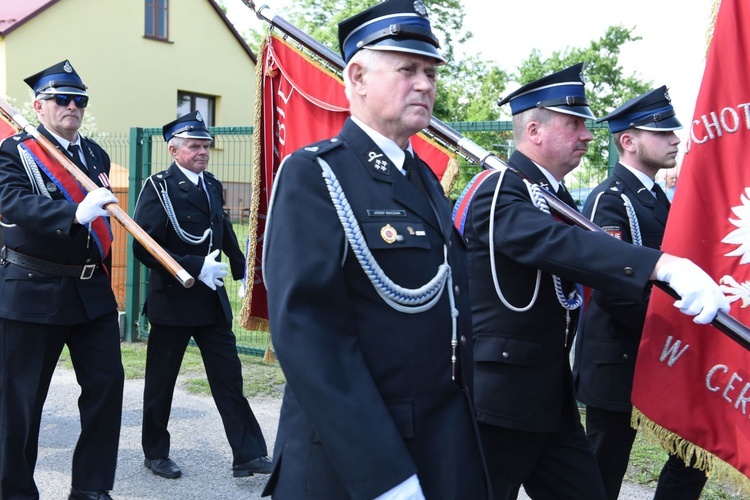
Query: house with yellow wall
[145, 62]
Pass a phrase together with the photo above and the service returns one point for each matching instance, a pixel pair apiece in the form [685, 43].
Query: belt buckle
[88, 271]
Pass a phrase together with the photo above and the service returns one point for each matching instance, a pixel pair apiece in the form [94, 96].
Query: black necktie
[75, 152]
[203, 191]
[565, 196]
[412, 172]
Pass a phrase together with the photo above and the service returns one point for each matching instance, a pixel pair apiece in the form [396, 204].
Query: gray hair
[367, 58]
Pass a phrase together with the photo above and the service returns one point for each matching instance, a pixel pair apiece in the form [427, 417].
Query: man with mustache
[523, 269]
[55, 291]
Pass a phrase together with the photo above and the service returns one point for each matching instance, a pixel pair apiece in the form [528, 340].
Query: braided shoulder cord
[399, 298]
[163, 195]
[493, 266]
[635, 227]
[32, 171]
[574, 300]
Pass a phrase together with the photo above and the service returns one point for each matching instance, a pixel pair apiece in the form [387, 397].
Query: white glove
[212, 271]
[700, 296]
[92, 205]
[408, 490]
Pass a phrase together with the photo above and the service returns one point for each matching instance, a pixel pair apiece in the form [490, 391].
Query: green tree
[607, 86]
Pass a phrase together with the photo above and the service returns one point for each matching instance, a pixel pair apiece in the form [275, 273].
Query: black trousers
[28, 356]
[218, 347]
[612, 439]
[549, 465]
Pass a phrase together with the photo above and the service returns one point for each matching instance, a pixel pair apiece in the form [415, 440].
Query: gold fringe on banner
[247, 322]
[674, 444]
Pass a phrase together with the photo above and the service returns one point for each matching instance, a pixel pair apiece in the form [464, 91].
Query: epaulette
[161, 175]
[92, 140]
[319, 148]
[209, 174]
[614, 187]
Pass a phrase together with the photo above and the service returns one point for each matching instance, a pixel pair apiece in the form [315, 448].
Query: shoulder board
[161, 175]
[209, 174]
[91, 140]
[319, 148]
[615, 187]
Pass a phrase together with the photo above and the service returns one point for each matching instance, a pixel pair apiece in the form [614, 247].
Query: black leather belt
[28, 262]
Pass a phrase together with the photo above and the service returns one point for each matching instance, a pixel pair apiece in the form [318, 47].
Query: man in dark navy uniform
[367, 290]
[55, 290]
[182, 210]
[523, 266]
[630, 206]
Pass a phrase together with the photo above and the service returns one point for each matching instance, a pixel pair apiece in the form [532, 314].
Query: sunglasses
[63, 100]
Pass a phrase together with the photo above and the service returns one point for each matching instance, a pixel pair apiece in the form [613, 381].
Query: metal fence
[139, 155]
[143, 152]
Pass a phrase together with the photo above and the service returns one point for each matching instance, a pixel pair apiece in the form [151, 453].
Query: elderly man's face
[398, 93]
[193, 154]
[62, 120]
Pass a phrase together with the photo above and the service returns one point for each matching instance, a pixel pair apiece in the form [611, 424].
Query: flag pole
[18, 122]
[474, 153]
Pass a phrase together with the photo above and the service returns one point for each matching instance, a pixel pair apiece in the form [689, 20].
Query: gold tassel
[245, 320]
[713, 466]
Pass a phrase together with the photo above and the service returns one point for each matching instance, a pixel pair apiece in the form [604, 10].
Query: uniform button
[31, 275]
[628, 271]
[506, 355]
[58, 231]
[450, 244]
[625, 356]
[457, 290]
[463, 340]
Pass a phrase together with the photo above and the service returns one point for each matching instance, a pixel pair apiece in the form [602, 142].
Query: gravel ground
[199, 447]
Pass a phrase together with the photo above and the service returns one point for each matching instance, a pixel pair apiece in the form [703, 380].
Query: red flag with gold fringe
[299, 101]
[692, 383]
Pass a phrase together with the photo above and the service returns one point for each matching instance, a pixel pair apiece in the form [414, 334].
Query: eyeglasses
[63, 100]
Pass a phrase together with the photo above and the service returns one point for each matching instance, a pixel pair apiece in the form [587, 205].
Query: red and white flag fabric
[300, 101]
[692, 382]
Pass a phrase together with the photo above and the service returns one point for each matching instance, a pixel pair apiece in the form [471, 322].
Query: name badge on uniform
[374, 212]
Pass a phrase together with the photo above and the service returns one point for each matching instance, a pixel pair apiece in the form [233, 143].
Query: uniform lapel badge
[389, 234]
[51, 187]
[377, 159]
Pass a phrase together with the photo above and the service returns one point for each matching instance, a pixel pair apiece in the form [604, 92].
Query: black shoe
[163, 467]
[260, 465]
[88, 495]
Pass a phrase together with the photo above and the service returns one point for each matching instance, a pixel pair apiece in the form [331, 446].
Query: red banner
[301, 102]
[692, 383]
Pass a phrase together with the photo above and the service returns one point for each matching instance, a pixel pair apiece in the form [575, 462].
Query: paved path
[198, 446]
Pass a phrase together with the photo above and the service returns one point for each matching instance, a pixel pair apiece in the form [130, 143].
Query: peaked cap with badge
[60, 78]
[396, 25]
[650, 111]
[562, 91]
[189, 126]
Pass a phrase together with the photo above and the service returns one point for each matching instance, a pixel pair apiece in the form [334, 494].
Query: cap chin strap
[400, 30]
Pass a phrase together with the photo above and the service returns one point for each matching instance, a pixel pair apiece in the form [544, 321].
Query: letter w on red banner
[300, 102]
[692, 383]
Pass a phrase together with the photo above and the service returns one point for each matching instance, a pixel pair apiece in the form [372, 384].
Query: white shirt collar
[553, 183]
[192, 176]
[64, 142]
[645, 179]
[389, 147]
